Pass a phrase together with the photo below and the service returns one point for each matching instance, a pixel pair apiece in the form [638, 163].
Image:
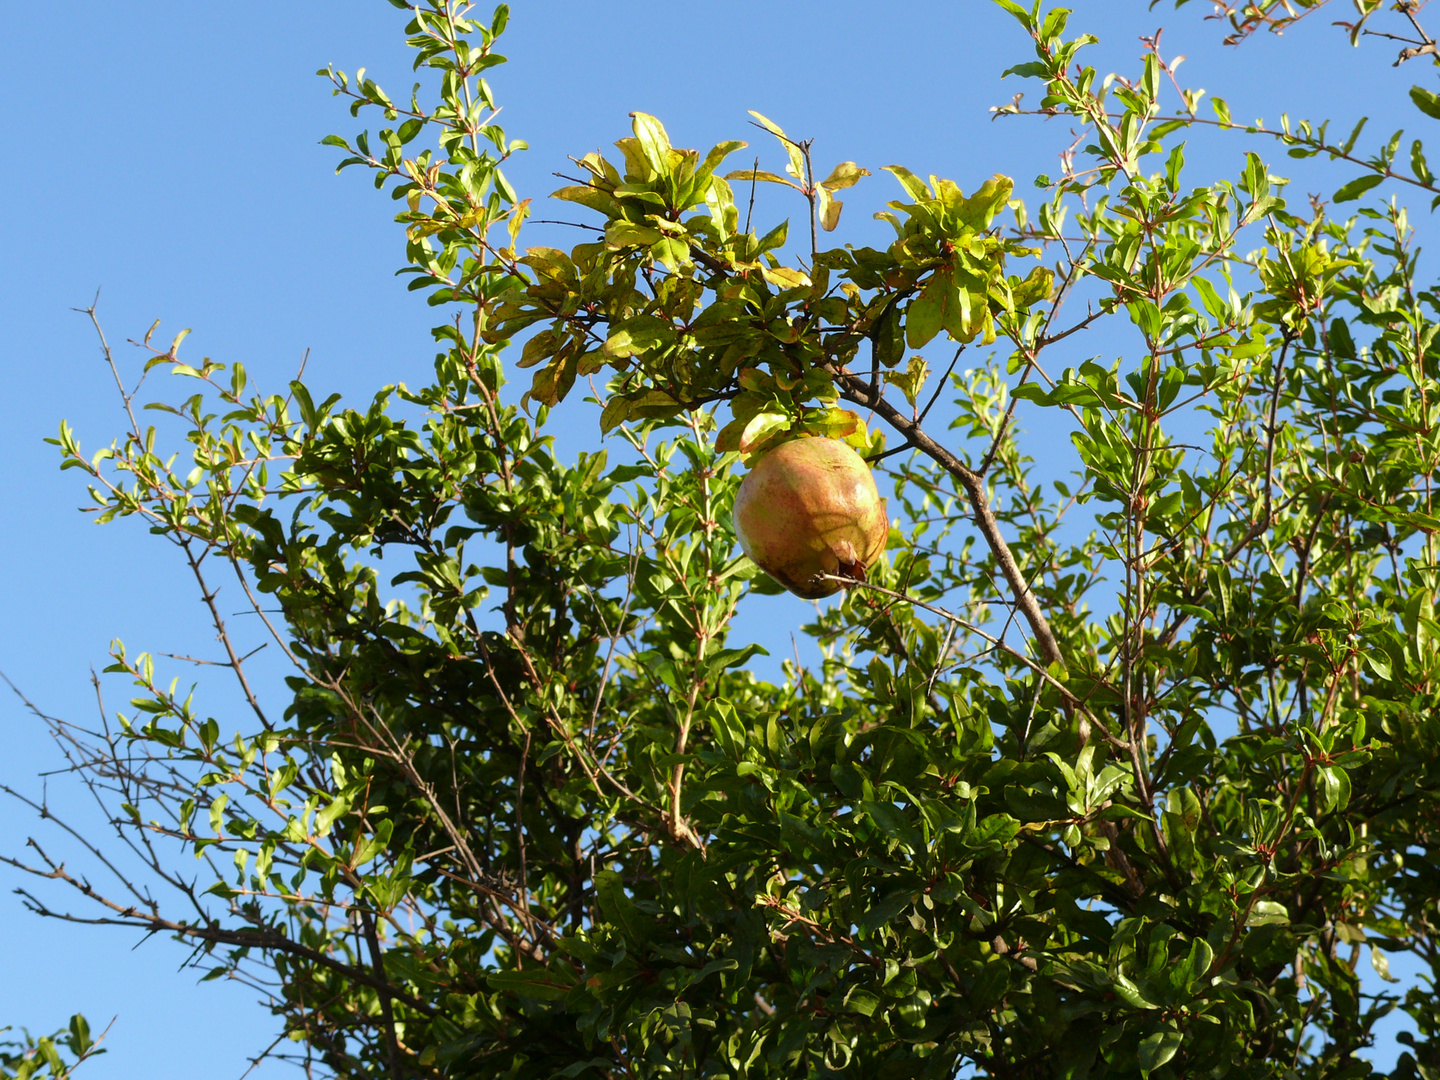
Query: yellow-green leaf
[517, 218]
[761, 429]
[830, 208]
[728, 440]
[912, 184]
[835, 424]
[911, 379]
[846, 174]
[619, 234]
[654, 141]
[761, 174]
[796, 168]
[589, 196]
[540, 348]
[785, 278]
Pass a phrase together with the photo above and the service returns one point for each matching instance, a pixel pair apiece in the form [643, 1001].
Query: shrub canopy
[1110, 768]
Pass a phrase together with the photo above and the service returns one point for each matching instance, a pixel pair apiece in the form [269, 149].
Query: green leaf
[1024, 17]
[1357, 187]
[717, 154]
[1029, 70]
[637, 336]
[332, 813]
[1418, 164]
[774, 238]
[615, 413]
[783, 277]
[367, 848]
[834, 423]
[619, 910]
[1427, 101]
[888, 337]
[535, 982]
[924, 318]
[654, 403]
[1354, 135]
[942, 305]
[862, 1001]
[1381, 963]
[80, 1041]
[1197, 964]
[1268, 913]
[1157, 1049]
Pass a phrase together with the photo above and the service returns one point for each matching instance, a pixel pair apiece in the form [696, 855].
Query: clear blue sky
[168, 153]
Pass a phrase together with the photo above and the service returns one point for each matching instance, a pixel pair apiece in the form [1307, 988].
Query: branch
[387, 1014]
[1084, 324]
[265, 940]
[854, 390]
[1066, 694]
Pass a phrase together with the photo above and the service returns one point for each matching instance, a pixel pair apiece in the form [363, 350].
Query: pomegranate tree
[807, 509]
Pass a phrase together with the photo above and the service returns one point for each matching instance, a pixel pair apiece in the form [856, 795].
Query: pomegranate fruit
[808, 508]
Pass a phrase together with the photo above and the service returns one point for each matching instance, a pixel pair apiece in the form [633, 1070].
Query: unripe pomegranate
[810, 507]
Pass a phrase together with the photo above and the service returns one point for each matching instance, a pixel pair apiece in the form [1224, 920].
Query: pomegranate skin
[810, 507]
